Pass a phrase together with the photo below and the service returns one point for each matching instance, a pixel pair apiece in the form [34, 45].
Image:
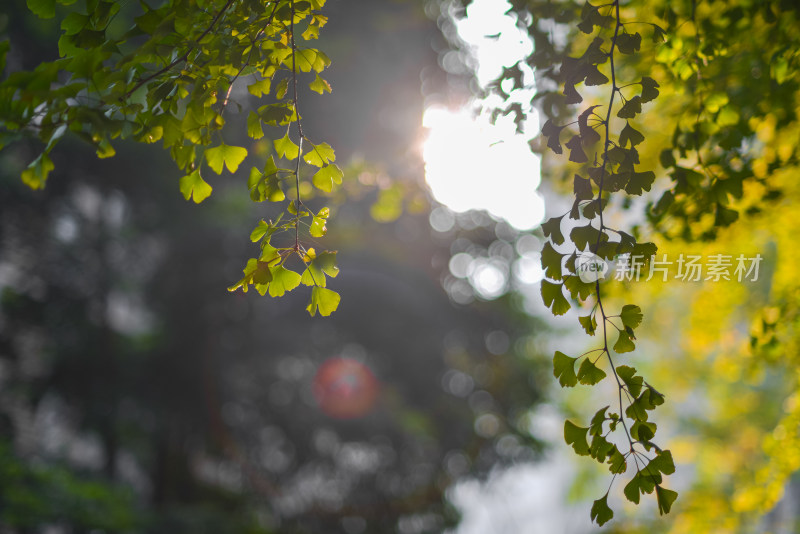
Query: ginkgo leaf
[624, 343]
[551, 262]
[630, 135]
[327, 176]
[552, 132]
[260, 87]
[588, 134]
[589, 323]
[254, 127]
[554, 298]
[576, 436]
[564, 369]
[665, 498]
[283, 280]
[628, 43]
[601, 513]
[552, 229]
[663, 463]
[35, 175]
[617, 464]
[632, 382]
[649, 89]
[320, 85]
[595, 77]
[318, 227]
[323, 300]
[45, 9]
[630, 108]
[582, 188]
[596, 424]
[600, 448]
[319, 155]
[631, 315]
[632, 489]
[576, 152]
[192, 185]
[225, 155]
[285, 147]
[589, 373]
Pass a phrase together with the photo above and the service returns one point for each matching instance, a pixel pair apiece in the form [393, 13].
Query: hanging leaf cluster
[167, 77]
[603, 143]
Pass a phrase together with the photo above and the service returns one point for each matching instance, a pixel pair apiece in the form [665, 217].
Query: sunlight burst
[472, 164]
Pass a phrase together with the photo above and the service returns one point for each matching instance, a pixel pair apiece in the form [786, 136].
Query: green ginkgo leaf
[285, 147]
[323, 300]
[554, 298]
[630, 108]
[319, 85]
[319, 155]
[601, 513]
[564, 369]
[254, 128]
[631, 315]
[552, 229]
[649, 89]
[589, 373]
[283, 280]
[45, 9]
[665, 498]
[624, 343]
[632, 382]
[192, 185]
[551, 262]
[35, 175]
[576, 436]
[327, 176]
[225, 155]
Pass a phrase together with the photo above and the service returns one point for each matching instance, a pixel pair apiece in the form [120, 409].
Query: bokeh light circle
[345, 388]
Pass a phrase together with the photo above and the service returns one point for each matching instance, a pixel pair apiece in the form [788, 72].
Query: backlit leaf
[35, 175]
[319, 155]
[327, 176]
[323, 300]
[285, 148]
[225, 155]
[319, 85]
[283, 280]
[192, 185]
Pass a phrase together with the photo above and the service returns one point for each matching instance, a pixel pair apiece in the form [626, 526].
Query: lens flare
[345, 388]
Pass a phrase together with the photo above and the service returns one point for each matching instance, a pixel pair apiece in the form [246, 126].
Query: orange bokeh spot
[345, 388]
